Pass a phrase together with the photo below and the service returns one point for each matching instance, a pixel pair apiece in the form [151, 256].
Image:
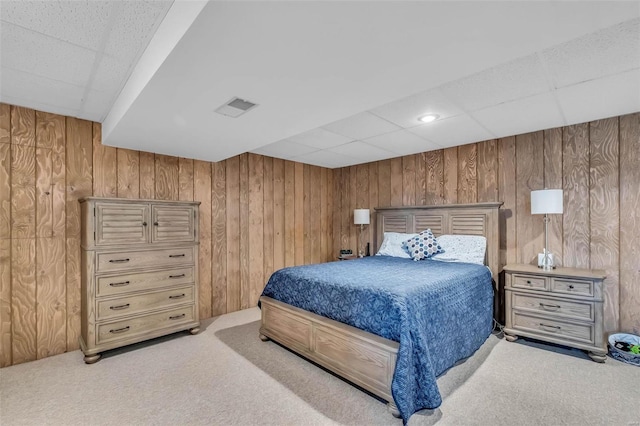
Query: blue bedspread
[439, 312]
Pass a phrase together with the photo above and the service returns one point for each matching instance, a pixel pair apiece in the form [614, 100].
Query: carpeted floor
[225, 375]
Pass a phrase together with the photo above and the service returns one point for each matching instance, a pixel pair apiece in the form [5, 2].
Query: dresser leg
[264, 338]
[597, 357]
[194, 330]
[393, 409]
[510, 337]
[90, 359]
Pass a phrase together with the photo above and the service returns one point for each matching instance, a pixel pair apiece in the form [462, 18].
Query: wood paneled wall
[597, 164]
[257, 214]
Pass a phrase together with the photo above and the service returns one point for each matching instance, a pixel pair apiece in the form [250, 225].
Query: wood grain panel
[337, 213]
[553, 180]
[167, 177]
[23, 126]
[49, 130]
[233, 233]
[268, 225]
[44, 188]
[105, 166]
[73, 302]
[5, 302]
[23, 191]
[434, 193]
[23, 299]
[345, 212]
[353, 204]
[79, 171]
[245, 284]
[299, 213]
[50, 134]
[396, 181]
[5, 123]
[604, 214]
[203, 193]
[409, 180]
[147, 175]
[219, 250]
[487, 171]
[467, 169]
[278, 215]
[529, 177]
[421, 179]
[185, 179]
[575, 170]
[450, 175]
[373, 200]
[315, 214]
[630, 223]
[307, 214]
[51, 310]
[384, 183]
[256, 228]
[128, 173]
[5, 190]
[289, 214]
[507, 194]
[327, 188]
[362, 202]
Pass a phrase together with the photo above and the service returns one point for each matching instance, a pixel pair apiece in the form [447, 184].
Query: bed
[395, 352]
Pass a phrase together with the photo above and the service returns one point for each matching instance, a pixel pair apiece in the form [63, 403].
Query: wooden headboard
[461, 219]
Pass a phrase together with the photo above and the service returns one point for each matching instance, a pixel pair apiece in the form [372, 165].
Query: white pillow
[392, 245]
[462, 248]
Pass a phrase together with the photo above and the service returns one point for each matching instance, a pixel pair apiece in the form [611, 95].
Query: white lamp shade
[546, 201]
[361, 216]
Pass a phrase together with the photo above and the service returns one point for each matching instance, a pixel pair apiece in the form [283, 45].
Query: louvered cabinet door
[173, 223]
[118, 224]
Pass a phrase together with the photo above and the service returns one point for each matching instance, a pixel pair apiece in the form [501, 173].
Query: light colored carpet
[225, 375]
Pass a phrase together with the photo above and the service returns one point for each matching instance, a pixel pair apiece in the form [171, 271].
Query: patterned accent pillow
[423, 246]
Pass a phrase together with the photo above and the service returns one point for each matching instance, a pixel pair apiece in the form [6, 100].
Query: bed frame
[360, 357]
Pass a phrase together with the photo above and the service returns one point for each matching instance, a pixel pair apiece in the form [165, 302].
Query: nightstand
[563, 306]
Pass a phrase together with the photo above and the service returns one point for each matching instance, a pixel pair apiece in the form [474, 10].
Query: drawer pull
[529, 282]
[144, 223]
[155, 223]
[119, 330]
[179, 296]
[119, 307]
[545, 305]
[120, 284]
[175, 317]
[555, 327]
[176, 276]
[118, 260]
[176, 255]
[570, 286]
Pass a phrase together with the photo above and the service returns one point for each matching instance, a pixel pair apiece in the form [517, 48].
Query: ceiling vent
[235, 107]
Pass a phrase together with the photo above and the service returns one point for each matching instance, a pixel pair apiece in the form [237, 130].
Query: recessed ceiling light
[428, 118]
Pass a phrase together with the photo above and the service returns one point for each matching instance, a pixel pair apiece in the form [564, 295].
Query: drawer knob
[176, 276]
[155, 223]
[176, 255]
[178, 296]
[144, 223]
[570, 286]
[120, 284]
[119, 307]
[118, 260]
[119, 330]
[529, 282]
[175, 317]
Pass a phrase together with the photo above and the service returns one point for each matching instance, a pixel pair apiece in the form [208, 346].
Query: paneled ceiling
[336, 83]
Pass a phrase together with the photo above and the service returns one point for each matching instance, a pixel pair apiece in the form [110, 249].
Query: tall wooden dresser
[139, 271]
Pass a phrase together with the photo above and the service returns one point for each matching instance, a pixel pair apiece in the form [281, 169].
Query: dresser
[139, 271]
[563, 306]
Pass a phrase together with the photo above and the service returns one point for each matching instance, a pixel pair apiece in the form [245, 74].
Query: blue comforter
[439, 312]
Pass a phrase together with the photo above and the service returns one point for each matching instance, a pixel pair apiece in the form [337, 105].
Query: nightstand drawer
[571, 286]
[554, 307]
[529, 281]
[583, 333]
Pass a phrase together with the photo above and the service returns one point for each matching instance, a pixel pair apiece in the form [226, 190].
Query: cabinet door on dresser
[121, 223]
[173, 223]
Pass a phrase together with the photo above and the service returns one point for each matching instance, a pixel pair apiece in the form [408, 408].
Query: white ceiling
[337, 83]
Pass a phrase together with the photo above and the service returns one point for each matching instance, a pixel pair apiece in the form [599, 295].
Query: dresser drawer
[128, 260]
[572, 286]
[546, 326]
[134, 327]
[554, 306]
[127, 305]
[529, 281]
[126, 283]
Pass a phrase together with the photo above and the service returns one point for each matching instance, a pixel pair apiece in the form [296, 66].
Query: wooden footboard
[362, 358]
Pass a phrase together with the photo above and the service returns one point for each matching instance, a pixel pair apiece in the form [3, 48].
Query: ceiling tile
[80, 23]
[605, 97]
[405, 112]
[362, 152]
[326, 159]
[522, 116]
[284, 149]
[361, 126]
[402, 142]
[453, 131]
[110, 74]
[96, 105]
[320, 138]
[41, 55]
[610, 51]
[517, 79]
